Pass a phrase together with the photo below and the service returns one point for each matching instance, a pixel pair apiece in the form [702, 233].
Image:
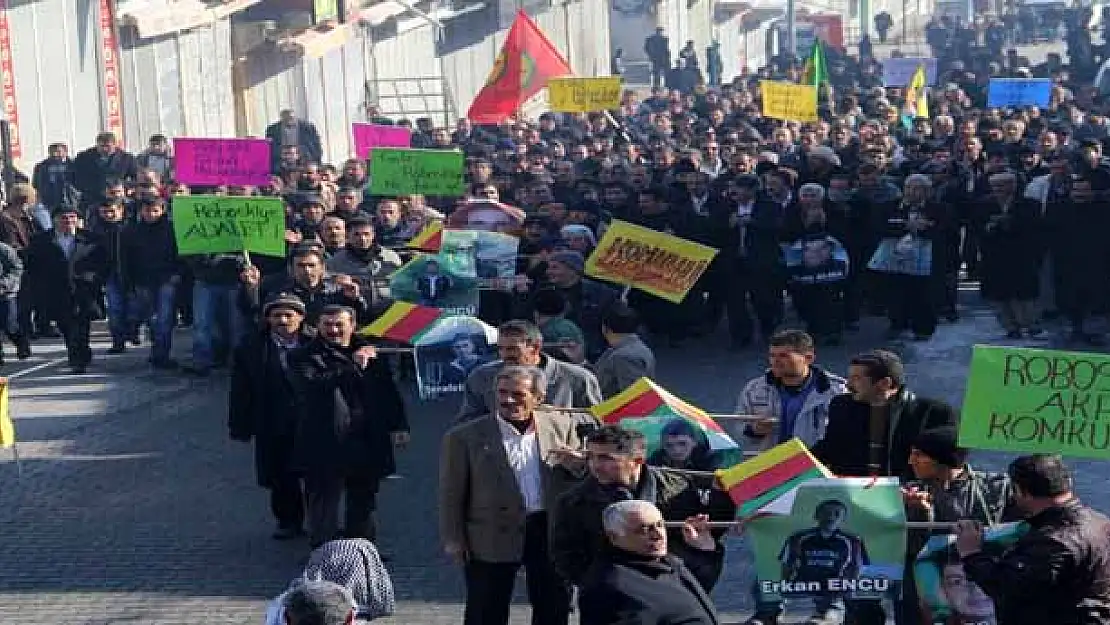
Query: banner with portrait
[447, 353]
[945, 591]
[831, 540]
[495, 258]
[815, 260]
[446, 280]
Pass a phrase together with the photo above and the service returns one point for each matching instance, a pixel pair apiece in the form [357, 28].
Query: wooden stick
[913, 525]
[741, 417]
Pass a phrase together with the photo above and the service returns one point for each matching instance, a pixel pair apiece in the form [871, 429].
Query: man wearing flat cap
[67, 266]
[262, 407]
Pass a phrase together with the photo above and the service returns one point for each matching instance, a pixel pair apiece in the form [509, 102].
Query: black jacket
[1057, 573]
[623, 589]
[577, 534]
[91, 175]
[53, 179]
[345, 413]
[150, 253]
[844, 450]
[64, 288]
[308, 141]
[262, 405]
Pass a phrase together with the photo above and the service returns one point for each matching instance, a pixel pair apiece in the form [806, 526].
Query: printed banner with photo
[495, 255]
[446, 280]
[945, 591]
[831, 539]
[447, 353]
[815, 261]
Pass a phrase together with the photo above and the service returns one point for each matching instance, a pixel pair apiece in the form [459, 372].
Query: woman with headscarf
[355, 565]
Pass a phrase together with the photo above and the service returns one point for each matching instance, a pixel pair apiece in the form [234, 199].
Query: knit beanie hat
[940, 445]
[572, 259]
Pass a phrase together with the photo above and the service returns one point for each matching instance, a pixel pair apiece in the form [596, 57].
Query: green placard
[216, 224]
[1037, 401]
[400, 171]
[324, 11]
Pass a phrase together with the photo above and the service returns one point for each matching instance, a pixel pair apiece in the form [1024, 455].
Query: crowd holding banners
[911, 206]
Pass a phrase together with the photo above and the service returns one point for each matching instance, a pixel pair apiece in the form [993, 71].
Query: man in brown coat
[499, 476]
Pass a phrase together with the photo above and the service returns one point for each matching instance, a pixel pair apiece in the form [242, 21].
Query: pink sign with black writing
[240, 162]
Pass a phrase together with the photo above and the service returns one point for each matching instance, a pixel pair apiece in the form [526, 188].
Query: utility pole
[791, 28]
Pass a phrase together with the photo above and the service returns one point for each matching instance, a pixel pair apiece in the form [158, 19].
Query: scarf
[355, 565]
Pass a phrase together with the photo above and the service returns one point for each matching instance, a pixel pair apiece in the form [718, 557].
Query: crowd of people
[861, 213]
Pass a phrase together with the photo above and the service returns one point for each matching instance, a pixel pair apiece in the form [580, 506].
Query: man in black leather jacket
[1059, 572]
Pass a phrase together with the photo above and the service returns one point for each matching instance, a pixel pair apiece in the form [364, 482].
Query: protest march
[488, 326]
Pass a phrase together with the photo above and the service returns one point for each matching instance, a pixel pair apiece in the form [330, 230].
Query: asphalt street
[130, 504]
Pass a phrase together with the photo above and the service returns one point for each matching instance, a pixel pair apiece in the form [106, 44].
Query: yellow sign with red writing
[584, 95]
[789, 101]
[654, 262]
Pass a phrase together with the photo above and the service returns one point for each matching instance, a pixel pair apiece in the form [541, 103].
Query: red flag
[523, 67]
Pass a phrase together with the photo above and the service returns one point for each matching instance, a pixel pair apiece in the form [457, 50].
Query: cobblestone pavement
[133, 506]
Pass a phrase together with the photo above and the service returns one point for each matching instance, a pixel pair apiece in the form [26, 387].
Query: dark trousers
[489, 585]
[75, 331]
[287, 502]
[766, 301]
[658, 74]
[910, 303]
[821, 307]
[324, 493]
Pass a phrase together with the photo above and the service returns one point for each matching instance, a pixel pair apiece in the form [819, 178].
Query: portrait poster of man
[681, 445]
[447, 353]
[816, 260]
[830, 540]
[947, 595]
[447, 280]
[495, 255]
[487, 215]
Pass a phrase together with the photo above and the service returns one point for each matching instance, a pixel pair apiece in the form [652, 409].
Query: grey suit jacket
[568, 386]
[622, 364]
[480, 505]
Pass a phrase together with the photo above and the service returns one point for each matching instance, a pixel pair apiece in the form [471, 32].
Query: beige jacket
[480, 505]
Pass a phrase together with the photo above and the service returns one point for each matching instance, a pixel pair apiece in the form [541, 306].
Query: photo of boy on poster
[446, 280]
[446, 354]
[682, 446]
[948, 597]
[824, 552]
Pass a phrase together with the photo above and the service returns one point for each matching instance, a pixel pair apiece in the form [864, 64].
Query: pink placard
[369, 136]
[214, 162]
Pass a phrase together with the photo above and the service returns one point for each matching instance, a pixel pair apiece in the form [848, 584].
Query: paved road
[134, 507]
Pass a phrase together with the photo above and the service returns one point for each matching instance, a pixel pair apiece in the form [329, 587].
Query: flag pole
[913, 525]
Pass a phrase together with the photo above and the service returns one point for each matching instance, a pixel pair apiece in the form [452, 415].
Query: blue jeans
[156, 304]
[217, 323]
[122, 317]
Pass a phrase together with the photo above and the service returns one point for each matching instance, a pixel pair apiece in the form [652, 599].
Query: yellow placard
[584, 95]
[789, 101]
[7, 428]
[654, 262]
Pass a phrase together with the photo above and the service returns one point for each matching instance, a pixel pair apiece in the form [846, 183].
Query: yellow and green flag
[815, 71]
[917, 99]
